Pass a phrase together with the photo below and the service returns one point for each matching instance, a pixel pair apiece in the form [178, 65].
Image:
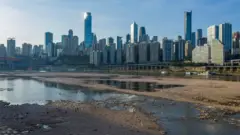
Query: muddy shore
[220, 94]
[65, 118]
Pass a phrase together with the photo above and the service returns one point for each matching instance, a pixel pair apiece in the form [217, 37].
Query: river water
[177, 118]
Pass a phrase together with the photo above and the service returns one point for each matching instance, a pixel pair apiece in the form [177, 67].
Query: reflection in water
[136, 86]
[177, 119]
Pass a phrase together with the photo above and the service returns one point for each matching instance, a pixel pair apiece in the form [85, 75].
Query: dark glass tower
[142, 32]
[88, 29]
[188, 25]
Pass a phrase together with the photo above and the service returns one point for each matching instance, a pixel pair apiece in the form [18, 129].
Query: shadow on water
[177, 118]
[136, 86]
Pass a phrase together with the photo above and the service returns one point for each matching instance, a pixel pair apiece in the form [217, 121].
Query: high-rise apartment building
[179, 49]
[188, 25]
[102, 44]
[134, 33]
[88, 29]
[201, 54]
[11, 44]
[167, 48]
[3, 52]
[27, 49]
[70, 44]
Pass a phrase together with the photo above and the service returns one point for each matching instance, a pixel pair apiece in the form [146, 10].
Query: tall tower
[128, 38]
[188, 25]
[193, 39]
[198, 36]
[225, 36]
[212, 33]
[11, 44]
[134, 33]
[142, 32]
[119, 42]
[88, 29]
[48, 39]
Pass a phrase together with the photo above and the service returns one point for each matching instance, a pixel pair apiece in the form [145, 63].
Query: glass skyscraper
[88, 29]
[48, 39]
[193, 39]
[225, 36]
[134, 33]
[188, 25]
[142, 32]
[119, 42]
[198, 36]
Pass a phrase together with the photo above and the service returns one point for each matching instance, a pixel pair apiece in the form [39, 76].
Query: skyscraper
[193, 40]
[212, 33]
[11, 44]
[128, 38]
[110, 41]
[188, 25]
[198, 36]
[134, 33]
[88, 29]
[142, 32]
[167, 47]
[119, 42]
[236, 43]
[225, 36]
[48, 39]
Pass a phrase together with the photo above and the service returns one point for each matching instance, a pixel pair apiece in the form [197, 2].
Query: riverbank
[65, 117]
[220, 94]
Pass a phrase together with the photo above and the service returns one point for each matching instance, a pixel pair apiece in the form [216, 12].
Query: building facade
[3, 51]
[119, 59]
[128, 38]
[88, 29]
[217, 52]
[212, 33]
[167, 48]
[48, 39]
[198, 36]
[179, 49]
[154, 52]
[225, 36]
[193, 40]
[188, 25]
[134, 33]
[201, 54]
[236, 43]
[131, 54]
[26, 49]
[119, 42]
[112, 49]
[142, 32]
[144, 51]
[11, 44]
[188, 50]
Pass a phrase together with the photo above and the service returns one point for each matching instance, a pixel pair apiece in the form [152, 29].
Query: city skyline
[33, 21]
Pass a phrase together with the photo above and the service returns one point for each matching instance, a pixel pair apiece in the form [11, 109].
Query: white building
[154, 52]
[134, 33]
[212, 33]
[217, 52]
[201, 54]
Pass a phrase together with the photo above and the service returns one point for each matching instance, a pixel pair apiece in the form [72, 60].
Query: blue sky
[27, 20]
